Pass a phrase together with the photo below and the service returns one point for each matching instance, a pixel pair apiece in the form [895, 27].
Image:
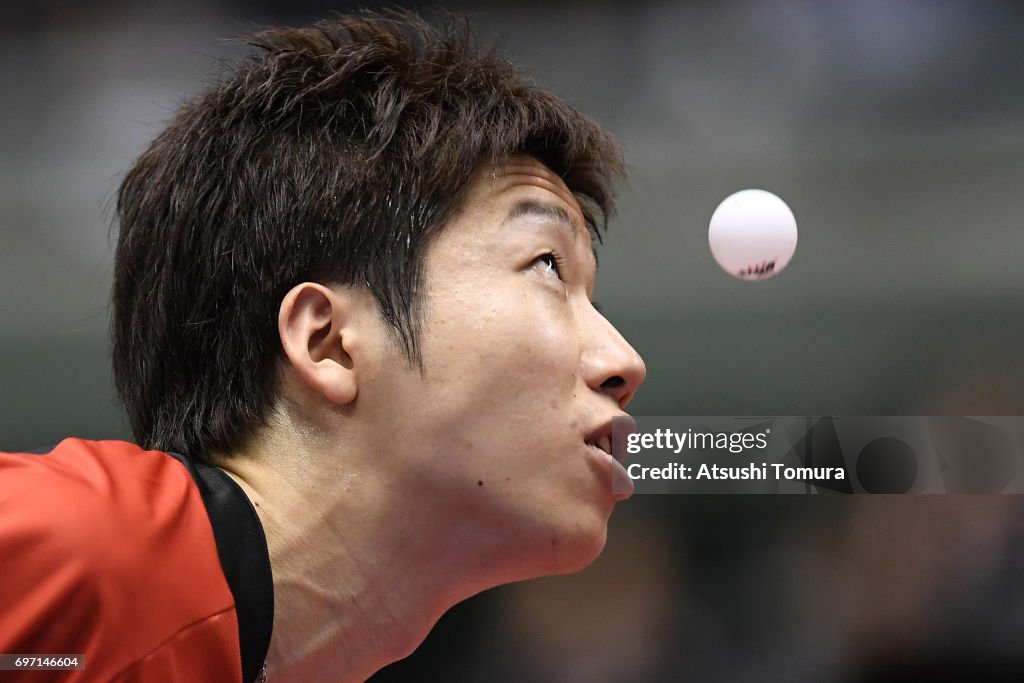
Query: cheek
[499, 374]
[517, 343]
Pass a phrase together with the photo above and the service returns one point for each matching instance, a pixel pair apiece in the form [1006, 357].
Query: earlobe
[314, 324]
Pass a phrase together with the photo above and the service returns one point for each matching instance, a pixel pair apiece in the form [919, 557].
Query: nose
[610, 365]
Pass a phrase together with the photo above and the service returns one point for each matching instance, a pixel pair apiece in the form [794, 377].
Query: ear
[318, 331]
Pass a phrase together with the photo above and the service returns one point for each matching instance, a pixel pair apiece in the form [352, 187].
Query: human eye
[550, 263]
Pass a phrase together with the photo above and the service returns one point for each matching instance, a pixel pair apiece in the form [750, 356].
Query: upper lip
[602, 436]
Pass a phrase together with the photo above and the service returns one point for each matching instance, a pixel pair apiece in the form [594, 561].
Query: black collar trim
[242, 548]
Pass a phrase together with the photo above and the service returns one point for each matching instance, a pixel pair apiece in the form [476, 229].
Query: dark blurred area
[894, 130]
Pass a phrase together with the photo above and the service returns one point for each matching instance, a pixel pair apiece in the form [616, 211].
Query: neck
[358, 580]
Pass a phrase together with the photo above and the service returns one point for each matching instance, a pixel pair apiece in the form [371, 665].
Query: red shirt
[143, 562]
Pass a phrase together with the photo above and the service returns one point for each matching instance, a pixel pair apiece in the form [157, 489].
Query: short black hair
[330, 155]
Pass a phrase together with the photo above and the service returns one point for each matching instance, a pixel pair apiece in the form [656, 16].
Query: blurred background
[894, 130]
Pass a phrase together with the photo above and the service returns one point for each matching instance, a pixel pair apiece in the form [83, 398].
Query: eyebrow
[552, 212]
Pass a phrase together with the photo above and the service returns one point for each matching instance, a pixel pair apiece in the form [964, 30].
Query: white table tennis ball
[752, 234]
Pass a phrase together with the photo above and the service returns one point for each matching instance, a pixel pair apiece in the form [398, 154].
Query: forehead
[522, 187]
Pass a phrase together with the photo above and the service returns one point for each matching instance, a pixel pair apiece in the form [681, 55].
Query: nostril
[613, 382]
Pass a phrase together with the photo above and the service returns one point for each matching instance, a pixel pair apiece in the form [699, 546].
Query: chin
[576, 545]
[542, 539]
[584, 554]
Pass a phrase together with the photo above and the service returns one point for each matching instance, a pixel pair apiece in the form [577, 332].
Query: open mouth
[621, 484]
[603, 443]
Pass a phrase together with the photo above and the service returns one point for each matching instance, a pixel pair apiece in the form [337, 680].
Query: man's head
[496, 437]
[336, 155]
